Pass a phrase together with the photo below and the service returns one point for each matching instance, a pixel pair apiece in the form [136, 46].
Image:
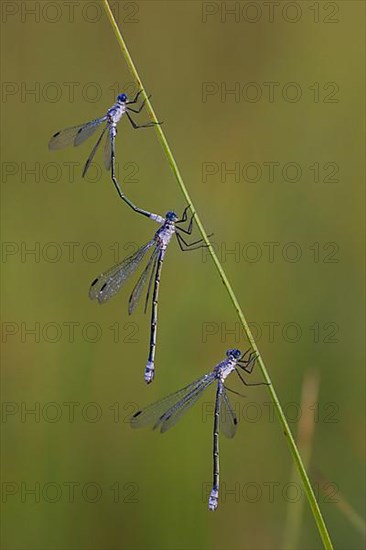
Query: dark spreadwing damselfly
[164, 414]
[109, 282]
[76, 135]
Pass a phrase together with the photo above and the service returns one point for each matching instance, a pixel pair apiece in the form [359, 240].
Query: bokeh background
[96, 483]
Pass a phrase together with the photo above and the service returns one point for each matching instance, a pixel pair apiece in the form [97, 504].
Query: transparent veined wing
[172, 416]
[75, 135]
[228, 418]
[166, 412]
[108, 152]
[151, 414]
[108, 283]
[94, 150]
[88, 131]
[137, 291]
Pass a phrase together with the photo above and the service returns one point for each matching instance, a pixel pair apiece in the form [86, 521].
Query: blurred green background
[98, 484]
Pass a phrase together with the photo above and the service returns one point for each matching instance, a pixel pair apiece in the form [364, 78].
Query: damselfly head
[171, 216]
[122, 98]
[233, 353]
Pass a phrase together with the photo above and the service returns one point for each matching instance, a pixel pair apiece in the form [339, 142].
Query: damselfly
[76, 135]
[108, 283]
[165, 413]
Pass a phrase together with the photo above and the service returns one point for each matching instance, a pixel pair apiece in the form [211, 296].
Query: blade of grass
[281, 416]
[305, 436]
[327, 488]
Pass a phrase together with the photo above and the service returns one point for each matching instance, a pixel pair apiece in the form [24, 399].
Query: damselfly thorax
[115, 113]
[224, 368]
[165, 233]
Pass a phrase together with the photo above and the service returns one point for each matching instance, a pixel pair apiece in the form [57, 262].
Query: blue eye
[235, 353]
[171, 216]
[122, 98]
